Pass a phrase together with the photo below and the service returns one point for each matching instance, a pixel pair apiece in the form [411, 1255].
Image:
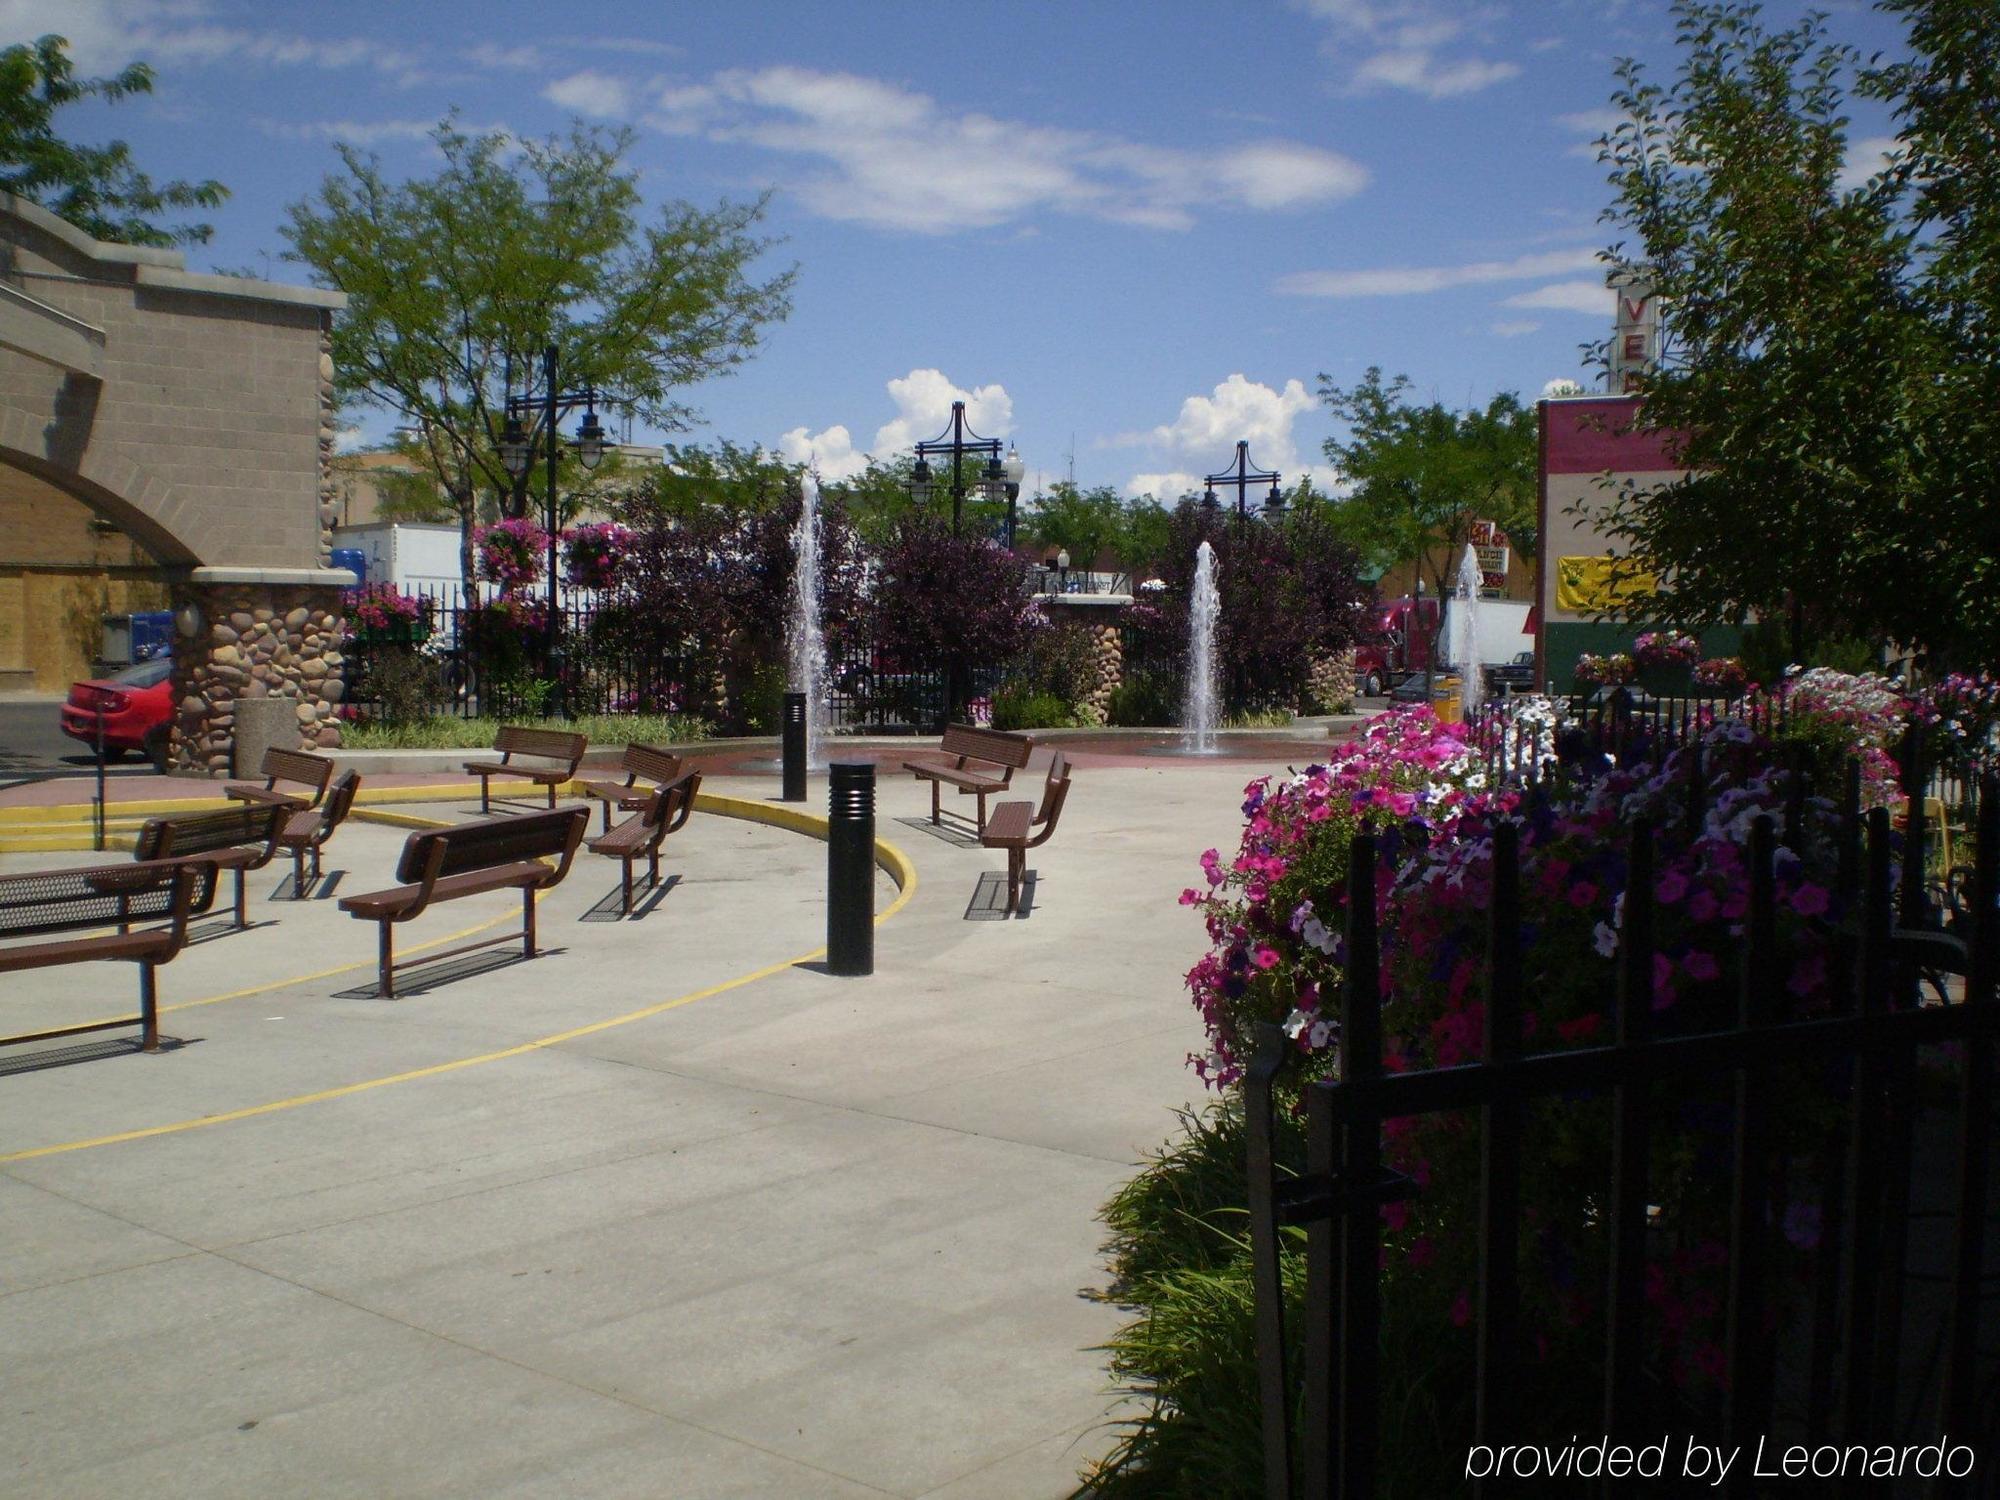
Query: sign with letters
[1635, 333]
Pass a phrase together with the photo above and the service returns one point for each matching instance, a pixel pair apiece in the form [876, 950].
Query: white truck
[1500, 632]
[418, 557]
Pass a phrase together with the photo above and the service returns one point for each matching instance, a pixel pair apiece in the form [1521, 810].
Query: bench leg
[653, 866]
[385, 961]
[1017, 869]
[934, 805]
[982, 815]
[299, 873]
[552, 796]
[485, 793]
[627, 863]
[242, 919]
[527, 921]
[149, 1009]
[316, 869]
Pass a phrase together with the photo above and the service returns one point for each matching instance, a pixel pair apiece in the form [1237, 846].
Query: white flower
[1605, 940]
[1320, 1034]
[1296, 1022]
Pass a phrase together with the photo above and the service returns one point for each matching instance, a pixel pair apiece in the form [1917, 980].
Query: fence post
[1266, 1268]
[794, 748]
[1360, 1170]
[1864, 1148]
[1631, 1142]
[1749, 1347]
[850, 868]
[1961, 1393]
[1500, 1131]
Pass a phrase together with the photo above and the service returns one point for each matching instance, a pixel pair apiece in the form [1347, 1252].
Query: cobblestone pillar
[254, 640]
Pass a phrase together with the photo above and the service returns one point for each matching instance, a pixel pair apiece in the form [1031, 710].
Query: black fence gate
[1322, 1424]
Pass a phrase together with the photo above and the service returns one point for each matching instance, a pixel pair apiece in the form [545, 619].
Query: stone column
[268, 634]
[1330, 683]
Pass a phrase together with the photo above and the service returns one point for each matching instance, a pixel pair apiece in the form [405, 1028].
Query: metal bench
[646, 767]
[1013, 824]
[50, 901]
[307, 830]
[240, 839]
[982, 762]
[488, 854]
[553, 756]
[666, 809]
[310, 772]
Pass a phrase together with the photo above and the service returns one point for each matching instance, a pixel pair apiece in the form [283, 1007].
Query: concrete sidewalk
[780, 1235]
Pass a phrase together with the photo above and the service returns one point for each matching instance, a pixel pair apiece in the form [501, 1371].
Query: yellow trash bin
[1445, 699]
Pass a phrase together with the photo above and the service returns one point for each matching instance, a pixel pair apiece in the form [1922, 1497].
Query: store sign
[1635, 333]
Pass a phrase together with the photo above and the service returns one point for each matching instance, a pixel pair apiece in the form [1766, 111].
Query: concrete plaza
[766, 1233]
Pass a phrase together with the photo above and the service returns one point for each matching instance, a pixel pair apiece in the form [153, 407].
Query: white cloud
[1401, 45]
[892, 157]
[354, 132]
[521, 59]
[1165, 488]
[1203, 436]
[106, 34]
[831, 451]
[1592, 297]
[1396, 281]
[1866, 157]
[590, 92]
[1562, 385]
[1513, 328]
[923, 402]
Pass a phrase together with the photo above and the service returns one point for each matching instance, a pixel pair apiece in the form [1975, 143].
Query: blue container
[354, 560]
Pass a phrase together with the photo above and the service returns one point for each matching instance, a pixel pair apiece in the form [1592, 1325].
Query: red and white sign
[1635, 334]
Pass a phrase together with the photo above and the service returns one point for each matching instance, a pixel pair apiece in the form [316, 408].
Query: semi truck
[1408, 642]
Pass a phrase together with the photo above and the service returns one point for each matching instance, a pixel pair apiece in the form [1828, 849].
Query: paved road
[33, 746]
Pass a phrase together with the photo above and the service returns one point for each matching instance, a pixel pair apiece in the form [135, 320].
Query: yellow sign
[1586, 585]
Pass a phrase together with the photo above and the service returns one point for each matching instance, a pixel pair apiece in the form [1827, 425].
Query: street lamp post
[1001, 479]
[517, 453]
[1243, 476]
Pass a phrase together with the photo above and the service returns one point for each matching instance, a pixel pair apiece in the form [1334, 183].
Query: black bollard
[850, 867]
[795, 748]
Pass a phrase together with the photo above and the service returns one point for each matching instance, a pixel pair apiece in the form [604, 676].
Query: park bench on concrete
[239, 839]
[666, 808]
[552, 758]
[981, 762]
[309, 773]
[468, 859]
[646, 767]
[307, 829]
[51, 901]
[1013, 824]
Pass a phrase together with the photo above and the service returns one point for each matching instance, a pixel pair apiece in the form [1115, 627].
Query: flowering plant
[1605, 671]
[511, 553]
[1722, 674]
[1666, 648]
[1830, 715]
[383, 609]
[1959, 716]
[592, 553]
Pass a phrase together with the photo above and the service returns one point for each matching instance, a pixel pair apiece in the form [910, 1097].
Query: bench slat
[374, 904]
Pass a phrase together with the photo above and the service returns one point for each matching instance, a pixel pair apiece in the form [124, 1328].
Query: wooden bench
[982, 762]
[1013, 823]
[307, 829]
[240, 839]
[488, 854]
[50, 901]
[666, 808]
[310, 772]
[640, 763]
[553, 756]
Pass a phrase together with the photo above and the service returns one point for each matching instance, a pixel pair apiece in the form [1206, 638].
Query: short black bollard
[795, 748]
[850, 867]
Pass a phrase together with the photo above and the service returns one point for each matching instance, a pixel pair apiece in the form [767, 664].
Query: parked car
[138, 705]
[1516, 676]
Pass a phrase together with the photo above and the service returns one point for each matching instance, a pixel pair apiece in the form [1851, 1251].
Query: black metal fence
[1852, 1373]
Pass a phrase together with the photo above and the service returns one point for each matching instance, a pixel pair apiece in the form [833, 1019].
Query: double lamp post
[1243, 476]
[517, 452]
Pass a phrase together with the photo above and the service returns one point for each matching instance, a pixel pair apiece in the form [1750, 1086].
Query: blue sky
[1126, 234]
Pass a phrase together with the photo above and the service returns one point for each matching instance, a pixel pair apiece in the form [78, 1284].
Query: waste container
[1445, 701]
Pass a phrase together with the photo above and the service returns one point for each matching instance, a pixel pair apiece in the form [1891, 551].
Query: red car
[138, 705]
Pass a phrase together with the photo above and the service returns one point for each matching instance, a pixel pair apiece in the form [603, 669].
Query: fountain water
[805, 643]
[1465, 645]
[1201, 708]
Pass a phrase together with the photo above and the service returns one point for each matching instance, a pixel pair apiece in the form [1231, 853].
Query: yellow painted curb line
[887, 856]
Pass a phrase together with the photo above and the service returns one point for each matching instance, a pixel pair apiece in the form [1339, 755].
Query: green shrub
[401, 685]
[450, 733]
[1145, 699]
[1016, 708]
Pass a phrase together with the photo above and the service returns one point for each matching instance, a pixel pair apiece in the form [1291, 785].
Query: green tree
[96, 188]
[1082, 522]
[1421, 475]
[1829, 373]
[1143, 540]
[455, 282]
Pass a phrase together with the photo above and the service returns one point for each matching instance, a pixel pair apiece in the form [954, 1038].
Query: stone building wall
[256, 641]
[1330, 683]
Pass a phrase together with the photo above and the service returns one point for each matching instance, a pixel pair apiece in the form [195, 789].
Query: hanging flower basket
[381, 613]
[511, 553]
[593, 554]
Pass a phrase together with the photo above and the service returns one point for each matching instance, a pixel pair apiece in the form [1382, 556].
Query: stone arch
[122, 493]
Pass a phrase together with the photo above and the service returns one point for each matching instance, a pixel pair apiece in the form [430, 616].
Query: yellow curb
[888, 857]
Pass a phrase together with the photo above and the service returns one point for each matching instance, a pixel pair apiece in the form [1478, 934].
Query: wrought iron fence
[1322, 1422]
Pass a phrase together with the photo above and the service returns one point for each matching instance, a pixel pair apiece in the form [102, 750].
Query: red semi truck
[1406, 634]
[1404, 630]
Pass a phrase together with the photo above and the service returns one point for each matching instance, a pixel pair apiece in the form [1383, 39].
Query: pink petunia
[1701, 966]
[1265, 956]
[1701, 907]
[1670, 887]
[1809, 900]
[1582, 894]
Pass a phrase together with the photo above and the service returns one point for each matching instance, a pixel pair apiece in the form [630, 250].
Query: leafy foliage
[941, 598]
[1422, 474]
[96, 188]
[1831, 371]
[457, 280]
